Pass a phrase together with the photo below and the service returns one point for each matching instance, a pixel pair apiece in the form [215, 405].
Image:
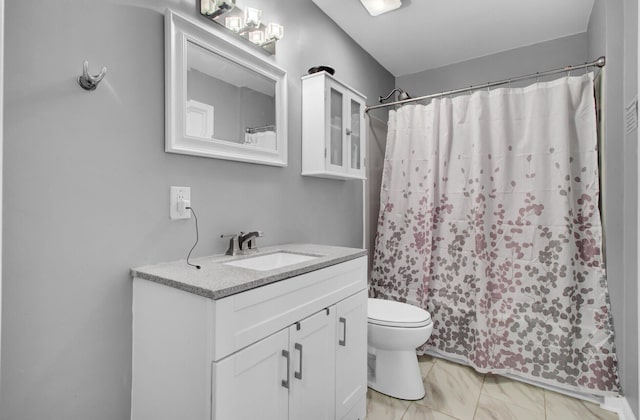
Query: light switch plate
[175, 195]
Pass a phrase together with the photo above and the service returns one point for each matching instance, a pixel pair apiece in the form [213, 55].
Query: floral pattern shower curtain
[489, 220]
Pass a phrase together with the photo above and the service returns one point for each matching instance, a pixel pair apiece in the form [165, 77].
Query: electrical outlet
[179, 198]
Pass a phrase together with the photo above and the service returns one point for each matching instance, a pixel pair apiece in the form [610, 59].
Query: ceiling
[425, 34]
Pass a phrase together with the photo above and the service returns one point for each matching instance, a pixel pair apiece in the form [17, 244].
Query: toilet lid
[396, 314]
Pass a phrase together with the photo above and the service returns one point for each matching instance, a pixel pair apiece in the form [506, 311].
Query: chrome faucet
[243, 243]
[247, 241]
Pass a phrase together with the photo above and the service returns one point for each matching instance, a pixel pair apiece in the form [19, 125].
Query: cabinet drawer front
[245, 318]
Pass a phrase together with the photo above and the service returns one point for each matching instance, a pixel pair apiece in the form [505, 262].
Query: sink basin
[271, 261]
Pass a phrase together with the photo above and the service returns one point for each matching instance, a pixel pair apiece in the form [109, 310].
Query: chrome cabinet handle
[298, 375]
[343, 342]
[285, 382]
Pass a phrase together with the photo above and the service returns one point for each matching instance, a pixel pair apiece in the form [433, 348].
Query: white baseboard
[619, 405]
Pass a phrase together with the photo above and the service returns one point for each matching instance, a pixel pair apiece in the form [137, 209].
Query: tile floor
[456, 392]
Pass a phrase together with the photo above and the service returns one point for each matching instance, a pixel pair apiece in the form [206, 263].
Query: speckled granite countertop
[216, 280]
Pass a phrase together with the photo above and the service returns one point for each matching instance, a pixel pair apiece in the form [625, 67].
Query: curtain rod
[600, 62]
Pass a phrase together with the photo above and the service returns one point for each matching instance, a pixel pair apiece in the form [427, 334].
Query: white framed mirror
[222, 100]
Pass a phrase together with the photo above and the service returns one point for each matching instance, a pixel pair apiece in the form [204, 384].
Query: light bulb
[252, 17]
[274, 31]
[257, 37]
[207, 7]
[234, 23]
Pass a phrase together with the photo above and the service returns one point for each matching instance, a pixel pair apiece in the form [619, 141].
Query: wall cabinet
[333, 128]
[278, 352]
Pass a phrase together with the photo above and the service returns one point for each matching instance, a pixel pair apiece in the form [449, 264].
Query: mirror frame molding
[178, 31]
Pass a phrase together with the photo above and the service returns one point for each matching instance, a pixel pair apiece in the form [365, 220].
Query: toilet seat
[388, 313]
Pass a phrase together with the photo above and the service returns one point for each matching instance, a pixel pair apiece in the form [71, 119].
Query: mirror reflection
[228, 102]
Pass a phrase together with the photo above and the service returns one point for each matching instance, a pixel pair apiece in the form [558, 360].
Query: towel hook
[87, 81]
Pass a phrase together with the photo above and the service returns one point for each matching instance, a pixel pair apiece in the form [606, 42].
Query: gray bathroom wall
[86, 187]
[613, 31]
[526, 60]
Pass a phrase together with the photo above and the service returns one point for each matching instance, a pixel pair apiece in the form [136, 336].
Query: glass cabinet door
[336, 128]
[355, 151]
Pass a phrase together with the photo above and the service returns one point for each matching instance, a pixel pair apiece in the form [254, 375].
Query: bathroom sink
[271, 261]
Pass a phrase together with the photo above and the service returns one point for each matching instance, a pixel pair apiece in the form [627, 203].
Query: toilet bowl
[395, 330]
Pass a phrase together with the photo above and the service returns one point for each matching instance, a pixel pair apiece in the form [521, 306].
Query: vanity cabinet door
[351, 353]
[252, 383]
[312, 352]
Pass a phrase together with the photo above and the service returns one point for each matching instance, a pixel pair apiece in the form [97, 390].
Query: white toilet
[395, 330]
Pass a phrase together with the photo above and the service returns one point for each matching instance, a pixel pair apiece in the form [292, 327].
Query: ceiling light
[378, 7]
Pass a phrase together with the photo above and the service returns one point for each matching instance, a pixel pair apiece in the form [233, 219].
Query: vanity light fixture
[215, 8]
[378, 7]
[247, 24]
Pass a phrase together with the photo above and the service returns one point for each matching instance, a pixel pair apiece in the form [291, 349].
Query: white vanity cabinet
[333, 128]
[290, 350]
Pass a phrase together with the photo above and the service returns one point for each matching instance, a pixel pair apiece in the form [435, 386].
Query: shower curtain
[489, 220]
